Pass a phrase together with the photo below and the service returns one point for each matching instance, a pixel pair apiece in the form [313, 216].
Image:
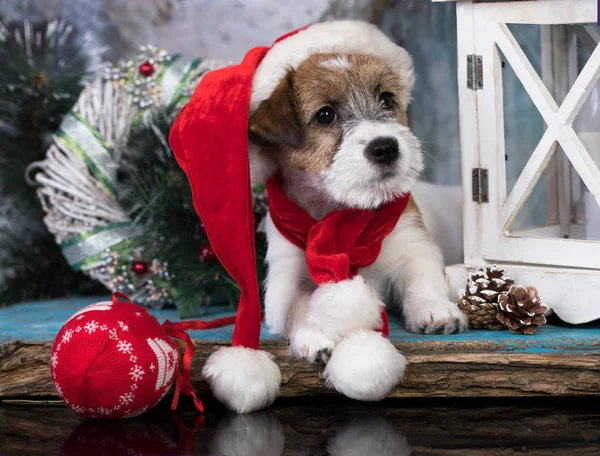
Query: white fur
[365, 366]
[287, 269]
[312, 342]
[254, 434]
[242, 378]
[337, 63]
[261, 166]
[344, 307]
[369, 436]
[355, 182]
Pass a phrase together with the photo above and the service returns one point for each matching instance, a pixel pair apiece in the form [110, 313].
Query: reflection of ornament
[139, 267]
[207, 253]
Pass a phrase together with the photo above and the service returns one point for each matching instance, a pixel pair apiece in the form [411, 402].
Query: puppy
[336, 129]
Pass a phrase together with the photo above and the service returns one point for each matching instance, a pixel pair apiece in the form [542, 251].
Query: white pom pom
[365, 366]
[243, 379]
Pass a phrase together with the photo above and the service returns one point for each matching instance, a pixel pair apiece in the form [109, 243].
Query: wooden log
[436, 369]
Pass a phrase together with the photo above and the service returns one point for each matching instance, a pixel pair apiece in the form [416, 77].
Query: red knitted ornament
[113, 359]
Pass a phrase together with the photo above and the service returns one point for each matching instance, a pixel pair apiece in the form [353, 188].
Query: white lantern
[533, 209]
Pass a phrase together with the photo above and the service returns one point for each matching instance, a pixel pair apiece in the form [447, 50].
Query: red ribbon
[183, 380]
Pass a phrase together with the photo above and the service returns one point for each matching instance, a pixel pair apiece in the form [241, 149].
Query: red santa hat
[210, 141]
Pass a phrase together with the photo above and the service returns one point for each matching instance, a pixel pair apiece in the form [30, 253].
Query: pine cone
[521, 309]
[479, 299]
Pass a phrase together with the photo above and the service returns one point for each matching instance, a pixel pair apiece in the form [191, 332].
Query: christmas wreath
[116, 201]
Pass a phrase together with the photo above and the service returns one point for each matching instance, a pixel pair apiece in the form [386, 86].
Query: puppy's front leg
[287, 296]
[417, 277]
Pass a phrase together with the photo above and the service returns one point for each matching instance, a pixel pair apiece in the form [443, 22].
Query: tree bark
[468, 369]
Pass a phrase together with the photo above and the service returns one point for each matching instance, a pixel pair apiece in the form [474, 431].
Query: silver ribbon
[173, 77]
[80, 139]
[77, 254]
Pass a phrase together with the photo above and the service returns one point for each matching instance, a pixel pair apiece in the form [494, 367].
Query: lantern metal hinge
[474, 72]
[480, 185]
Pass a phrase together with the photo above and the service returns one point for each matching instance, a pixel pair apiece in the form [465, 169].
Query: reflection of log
[34, 429]
[466, 369]
[466, 428]
[463, 427]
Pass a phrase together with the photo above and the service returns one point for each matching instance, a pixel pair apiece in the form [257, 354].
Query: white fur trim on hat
[329, 37]
[365, 366]
[242, 378]
[343, 307]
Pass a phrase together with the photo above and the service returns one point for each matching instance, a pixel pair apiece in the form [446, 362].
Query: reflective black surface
[326, 426]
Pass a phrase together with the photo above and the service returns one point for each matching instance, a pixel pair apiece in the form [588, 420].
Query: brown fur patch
[352, 90]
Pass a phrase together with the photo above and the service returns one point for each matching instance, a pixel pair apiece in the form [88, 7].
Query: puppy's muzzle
[383, 150]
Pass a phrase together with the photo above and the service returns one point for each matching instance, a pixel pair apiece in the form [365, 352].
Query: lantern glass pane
[559, 203]
[559, 215]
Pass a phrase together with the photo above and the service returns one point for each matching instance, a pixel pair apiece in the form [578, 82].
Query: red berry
[140, 267]
[146, 69]
[207, 253]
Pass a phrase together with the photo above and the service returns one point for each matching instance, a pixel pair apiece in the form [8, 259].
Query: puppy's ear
[276, 122]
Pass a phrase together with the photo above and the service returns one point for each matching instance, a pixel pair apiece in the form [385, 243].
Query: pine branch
[44, 69]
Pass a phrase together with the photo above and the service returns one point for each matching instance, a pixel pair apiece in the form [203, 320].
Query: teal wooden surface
[42, 320]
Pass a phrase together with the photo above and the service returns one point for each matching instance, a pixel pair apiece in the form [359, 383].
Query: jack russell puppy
[336, 132]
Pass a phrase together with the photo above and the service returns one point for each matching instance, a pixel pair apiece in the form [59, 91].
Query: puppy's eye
[386, 99]
[325, 115]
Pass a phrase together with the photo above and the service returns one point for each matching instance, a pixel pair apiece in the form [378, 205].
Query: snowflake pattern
[126, 398]
[136, 373]
[91, 327]
[58, 389]
[113, 334]
[103, 328]
[103, 411]
[79, 409]
[133, 359]
[124, 347]
[54, 360]
[123, 326]
[78, 329]
[133, 387]
[67, 336]
[79, 317]
[138, 314]
[152, 367]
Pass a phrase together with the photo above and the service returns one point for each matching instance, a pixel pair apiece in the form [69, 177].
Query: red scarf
[341, 242]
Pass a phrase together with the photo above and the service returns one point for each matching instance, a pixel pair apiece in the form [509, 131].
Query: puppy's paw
[310, 343]
[434, 317]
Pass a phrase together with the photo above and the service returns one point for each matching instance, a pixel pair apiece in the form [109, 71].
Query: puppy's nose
[383, 150]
